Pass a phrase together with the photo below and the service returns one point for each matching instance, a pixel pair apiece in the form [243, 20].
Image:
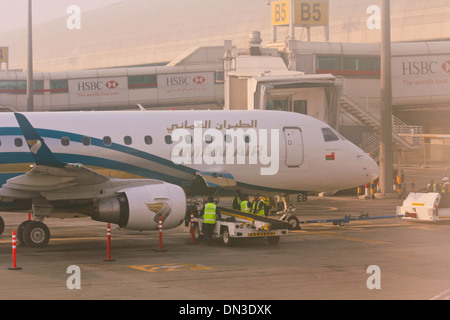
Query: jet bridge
[265, 83]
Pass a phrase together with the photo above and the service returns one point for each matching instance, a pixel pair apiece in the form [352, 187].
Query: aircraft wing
[52, 179]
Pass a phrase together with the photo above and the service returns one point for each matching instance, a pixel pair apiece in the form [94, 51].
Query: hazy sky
[13, 13]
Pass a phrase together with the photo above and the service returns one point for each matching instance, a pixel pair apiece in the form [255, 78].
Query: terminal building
[229, 55]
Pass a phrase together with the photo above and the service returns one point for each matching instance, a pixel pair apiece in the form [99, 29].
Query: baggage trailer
[240, 225]
[425, 207]
[295, 222]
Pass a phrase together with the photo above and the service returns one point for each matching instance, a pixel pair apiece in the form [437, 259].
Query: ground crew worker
[445, 193]
[258, 206]
[432, 186]
[236, 202]
[245, 204]
[445, 186]
[209, 219]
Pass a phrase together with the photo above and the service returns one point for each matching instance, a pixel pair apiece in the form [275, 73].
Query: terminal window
[142, 81]
[349, 65]
[59, 86]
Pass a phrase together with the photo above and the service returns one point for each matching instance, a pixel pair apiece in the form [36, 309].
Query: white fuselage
[262, 150]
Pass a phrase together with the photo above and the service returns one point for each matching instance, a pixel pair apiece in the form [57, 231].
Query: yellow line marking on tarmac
[332, 234]
[170, 267]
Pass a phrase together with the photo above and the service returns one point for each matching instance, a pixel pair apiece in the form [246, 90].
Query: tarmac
[389, 259]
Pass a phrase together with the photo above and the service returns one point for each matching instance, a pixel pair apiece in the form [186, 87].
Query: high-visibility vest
[432, 187]
[238, 202]
[209, 216]
[446, 188]
[244, 206]
[258, 208]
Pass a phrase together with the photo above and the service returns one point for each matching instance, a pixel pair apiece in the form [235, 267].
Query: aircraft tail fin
[41, 153]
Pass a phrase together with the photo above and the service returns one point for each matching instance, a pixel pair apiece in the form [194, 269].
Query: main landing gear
[2, 226]
[34, 234]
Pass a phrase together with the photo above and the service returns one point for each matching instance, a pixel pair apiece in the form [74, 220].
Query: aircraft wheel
[2, 226]
[197, 234]
[293, 221]
[36, 234]
[20, 229]
[226, 239]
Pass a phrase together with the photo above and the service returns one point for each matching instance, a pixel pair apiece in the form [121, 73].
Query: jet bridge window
[329, 135]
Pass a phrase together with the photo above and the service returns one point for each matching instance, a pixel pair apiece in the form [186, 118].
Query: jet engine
[140, 208]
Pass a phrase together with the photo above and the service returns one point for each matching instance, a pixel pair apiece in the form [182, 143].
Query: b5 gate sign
[306, 12]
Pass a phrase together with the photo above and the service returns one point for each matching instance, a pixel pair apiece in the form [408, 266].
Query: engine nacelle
[139, 208]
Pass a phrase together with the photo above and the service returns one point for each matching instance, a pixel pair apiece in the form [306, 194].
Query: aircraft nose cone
[371, 168]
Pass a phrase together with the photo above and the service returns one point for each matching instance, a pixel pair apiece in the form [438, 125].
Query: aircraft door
[294, 146]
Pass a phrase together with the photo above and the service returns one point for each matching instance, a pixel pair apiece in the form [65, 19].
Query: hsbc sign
[186, 85]
[97, 85]
[98, 90]
[420, 76]
[446, 66]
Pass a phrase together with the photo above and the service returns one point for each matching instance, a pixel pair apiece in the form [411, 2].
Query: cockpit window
[329, 135]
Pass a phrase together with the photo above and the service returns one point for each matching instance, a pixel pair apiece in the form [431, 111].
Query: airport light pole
[386, 151]
[30, 86]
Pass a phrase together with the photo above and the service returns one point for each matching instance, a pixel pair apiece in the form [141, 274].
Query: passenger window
[65, 141]
[329, 135]
[18, 142]
[127, 140]
[107, 141]
[148, 140]
[86, 141]
[168, 139]
[209, 139]
[188, 139]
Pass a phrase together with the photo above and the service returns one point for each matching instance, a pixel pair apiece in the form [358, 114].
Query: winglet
[41, 153]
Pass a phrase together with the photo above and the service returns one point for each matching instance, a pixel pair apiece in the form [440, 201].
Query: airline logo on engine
[159, 209]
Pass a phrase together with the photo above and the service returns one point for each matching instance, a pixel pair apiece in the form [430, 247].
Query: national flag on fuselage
[330, 157]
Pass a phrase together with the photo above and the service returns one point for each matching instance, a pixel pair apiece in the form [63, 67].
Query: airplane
[131, 167]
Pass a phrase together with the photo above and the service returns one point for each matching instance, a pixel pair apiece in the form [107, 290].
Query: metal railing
[368, 111]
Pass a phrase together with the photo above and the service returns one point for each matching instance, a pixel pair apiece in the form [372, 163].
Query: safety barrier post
[192, 226]
[160, 235]
[108, 243]
[367, 190]
[372, 190]
[14, 256]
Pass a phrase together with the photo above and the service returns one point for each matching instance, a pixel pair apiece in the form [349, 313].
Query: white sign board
[94, 90]
[186, 85]
[420, 76]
